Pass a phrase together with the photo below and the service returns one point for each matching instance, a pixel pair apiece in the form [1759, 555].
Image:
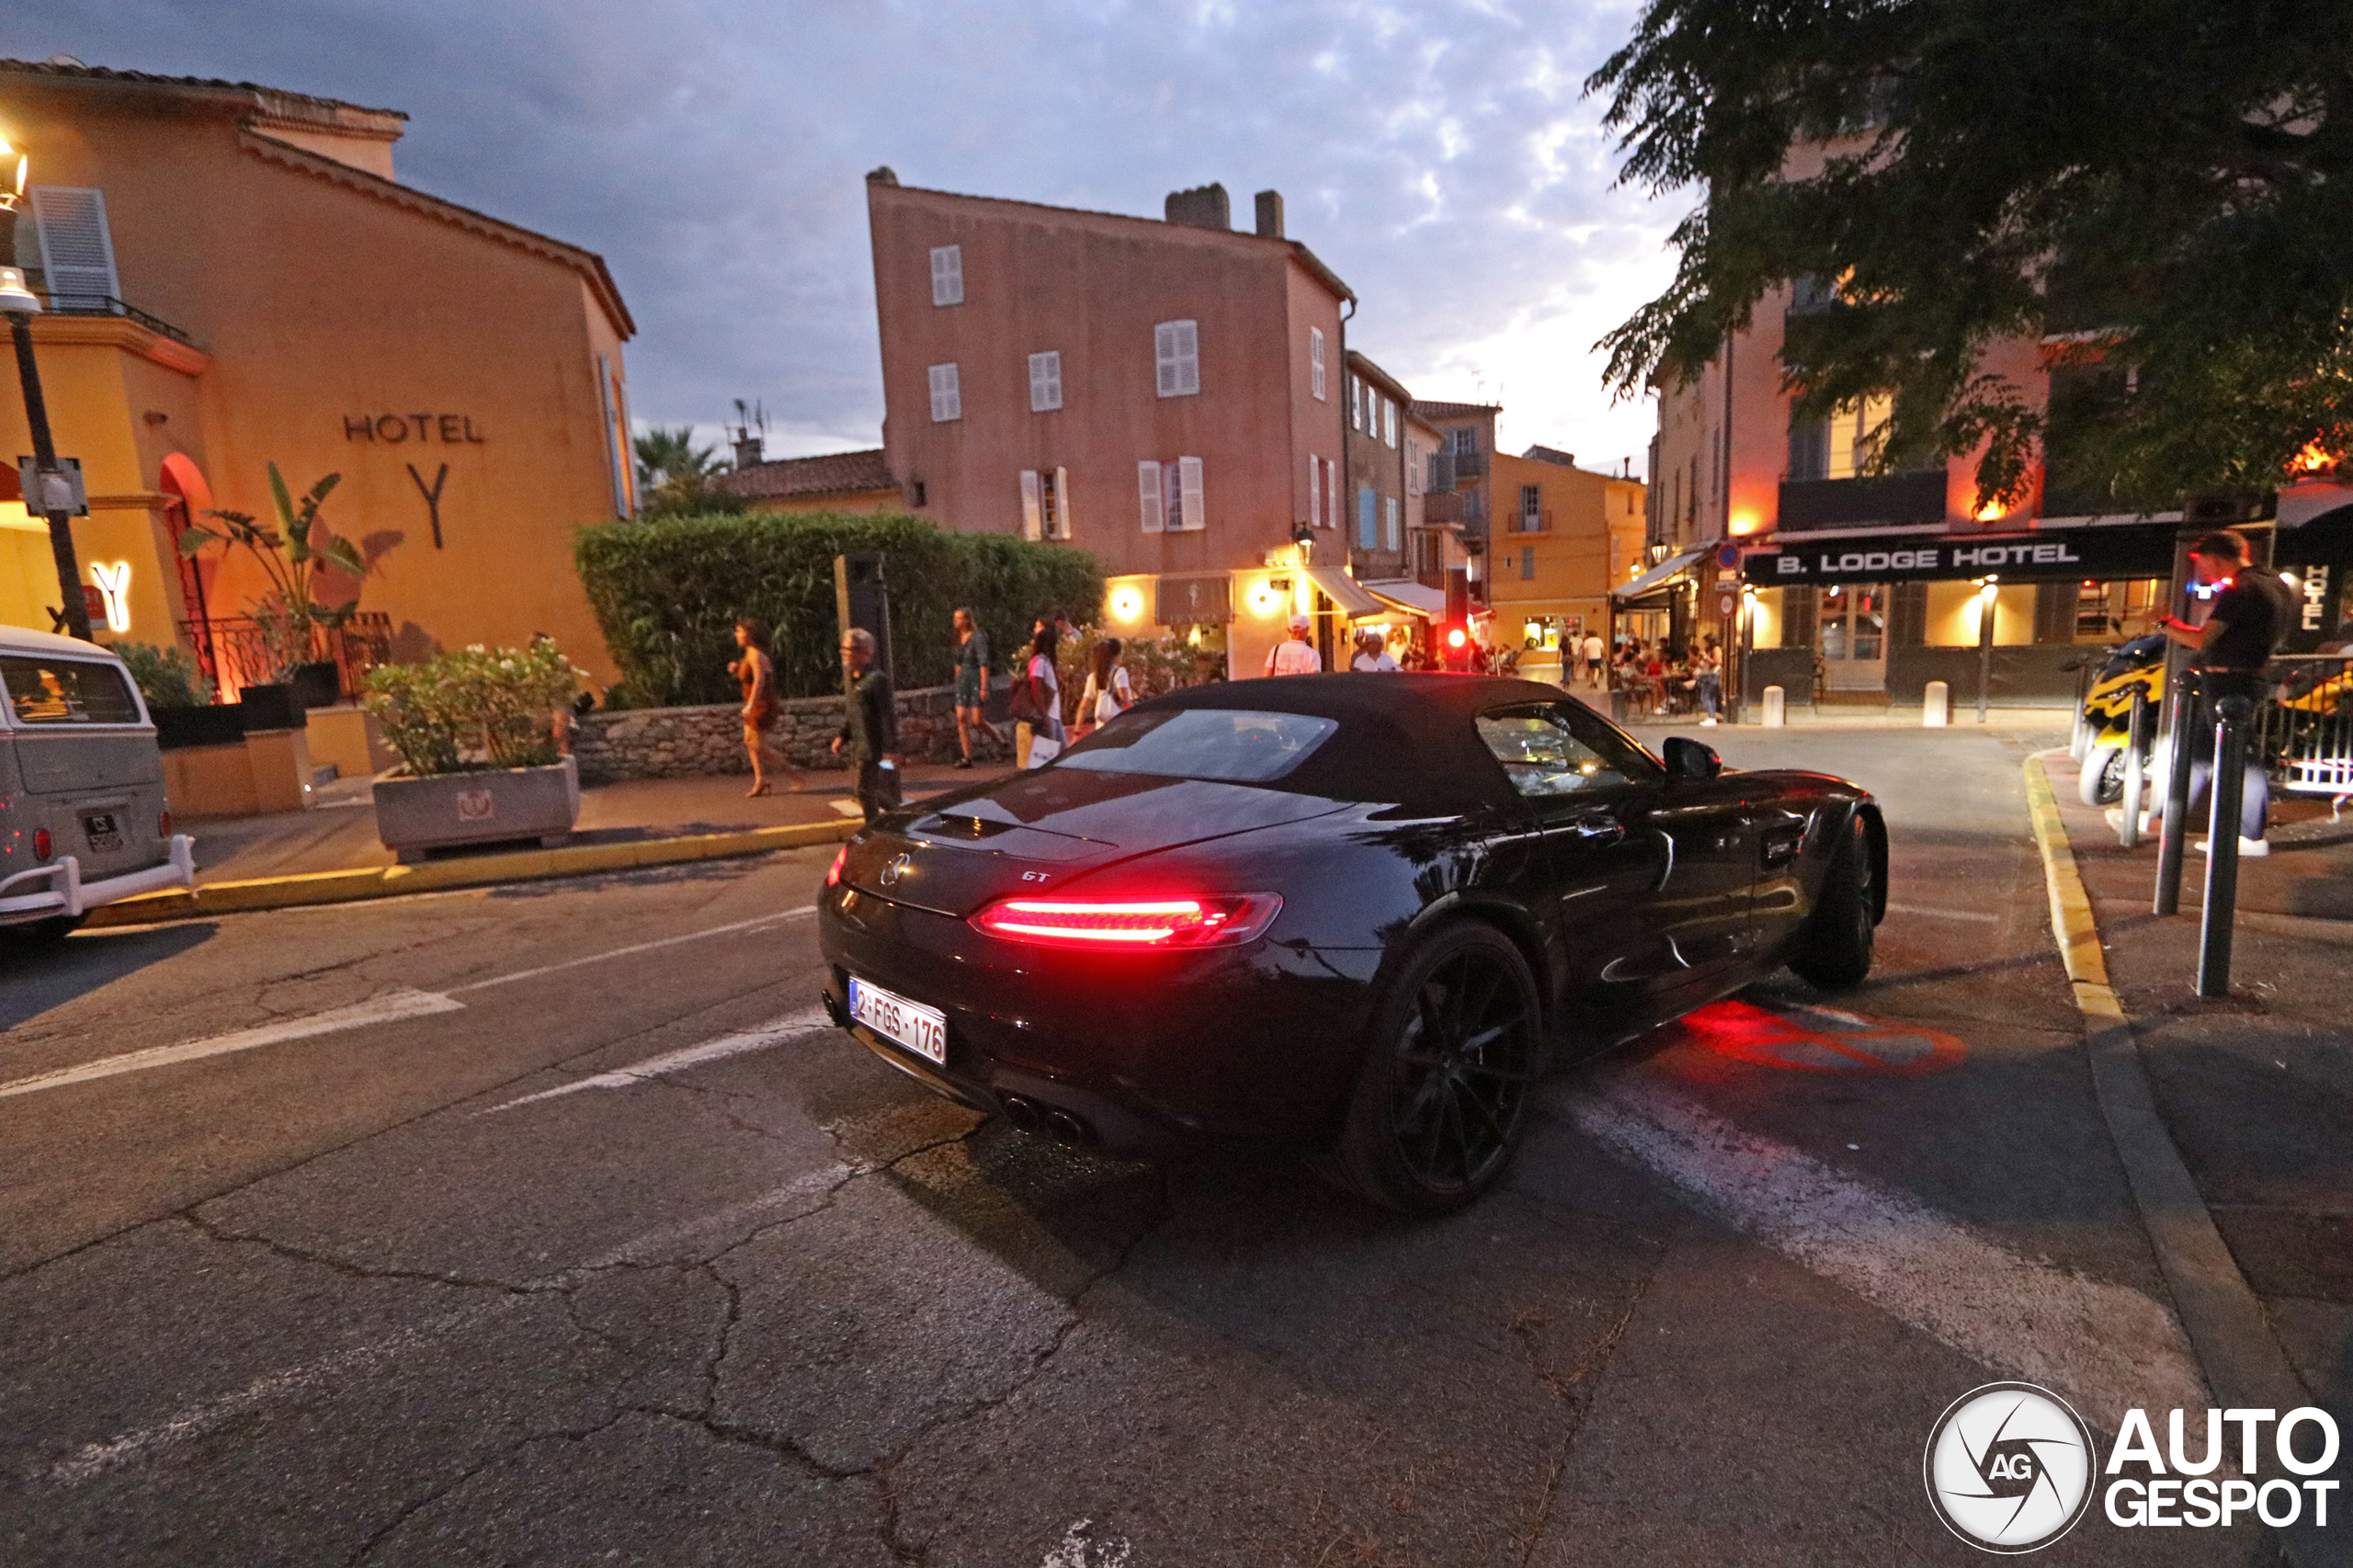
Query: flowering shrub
[479, 709]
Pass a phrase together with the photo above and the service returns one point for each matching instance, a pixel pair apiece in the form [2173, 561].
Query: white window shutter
[76, 250]
[1032, 526]
[1389, 531]
[1315, 361]
[948, 275]
[1315, 488]
[1177, 358]
[1188, 470]
[1061, 504]
[1148, 494]
[947, 395]
[1332, 492]
[1045, 381]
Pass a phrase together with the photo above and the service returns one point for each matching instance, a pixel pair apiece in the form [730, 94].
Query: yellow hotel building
[236, 276]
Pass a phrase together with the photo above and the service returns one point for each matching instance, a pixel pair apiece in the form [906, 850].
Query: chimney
[1203, 207]
[749, 449]
[1271, 214]
[883, 175]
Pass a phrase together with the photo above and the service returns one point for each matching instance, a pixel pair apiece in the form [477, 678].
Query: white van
[83, 817]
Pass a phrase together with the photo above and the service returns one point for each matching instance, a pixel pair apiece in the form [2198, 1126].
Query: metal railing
[237, 652]
[107, 305]
[2304, 732]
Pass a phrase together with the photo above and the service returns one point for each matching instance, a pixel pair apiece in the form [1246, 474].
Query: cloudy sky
[1439, 156]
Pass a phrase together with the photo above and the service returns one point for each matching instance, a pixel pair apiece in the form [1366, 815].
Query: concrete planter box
[417, 814]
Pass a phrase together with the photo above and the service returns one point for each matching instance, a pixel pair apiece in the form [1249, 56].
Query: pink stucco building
[1170, 395]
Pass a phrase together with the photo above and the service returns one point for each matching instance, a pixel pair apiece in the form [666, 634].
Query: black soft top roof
[1405, 739]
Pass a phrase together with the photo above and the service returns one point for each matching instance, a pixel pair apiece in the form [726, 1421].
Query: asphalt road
[550, 1225]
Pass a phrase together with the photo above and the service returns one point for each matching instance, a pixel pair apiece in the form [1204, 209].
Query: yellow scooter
[2105, 730]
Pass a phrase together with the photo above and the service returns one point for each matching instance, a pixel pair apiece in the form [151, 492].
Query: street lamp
[55, 496]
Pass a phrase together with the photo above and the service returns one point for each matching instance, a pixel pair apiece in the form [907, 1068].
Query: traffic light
[1454, 646]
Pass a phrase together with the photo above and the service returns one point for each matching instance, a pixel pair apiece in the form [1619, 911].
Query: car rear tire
[1834, 950]
[1453, 1056]
[2101, 780]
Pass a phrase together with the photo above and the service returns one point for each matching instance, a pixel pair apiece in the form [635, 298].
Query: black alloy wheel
[1456, 1049]
[1834, 951]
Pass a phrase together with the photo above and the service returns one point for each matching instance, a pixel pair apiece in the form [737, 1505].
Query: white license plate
[920, 1030]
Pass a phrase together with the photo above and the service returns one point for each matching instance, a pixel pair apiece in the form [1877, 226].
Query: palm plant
[291, 555]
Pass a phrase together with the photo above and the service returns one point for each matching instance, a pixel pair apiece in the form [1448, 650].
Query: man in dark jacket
[869, 737]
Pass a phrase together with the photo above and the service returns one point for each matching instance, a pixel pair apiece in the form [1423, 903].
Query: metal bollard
[1776, 707]
[2231, 717]
[2172, 838]
[2136, 771]
[1936, 706]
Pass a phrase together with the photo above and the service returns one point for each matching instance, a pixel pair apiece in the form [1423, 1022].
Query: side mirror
[1687, 758]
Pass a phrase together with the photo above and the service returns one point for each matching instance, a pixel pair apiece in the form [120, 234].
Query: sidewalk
[338, 833]
[330, 854]
[2257, 1089]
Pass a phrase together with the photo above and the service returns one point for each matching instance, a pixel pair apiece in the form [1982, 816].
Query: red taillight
[41, 843]
[1131, 923]
[833, 872]
[163, 826]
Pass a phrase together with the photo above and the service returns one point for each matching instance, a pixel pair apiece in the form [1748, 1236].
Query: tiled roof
[66, 68]
[1551, 455]
[834, 473]
[1455, 409]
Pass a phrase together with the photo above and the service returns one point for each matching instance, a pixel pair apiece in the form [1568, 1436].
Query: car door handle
[1593, 830]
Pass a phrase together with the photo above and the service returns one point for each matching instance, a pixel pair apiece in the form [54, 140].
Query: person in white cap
[1295, 657]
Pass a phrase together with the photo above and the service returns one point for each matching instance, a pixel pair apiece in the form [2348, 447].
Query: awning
[1413, 599]
[1659, 574]
[1345, 592]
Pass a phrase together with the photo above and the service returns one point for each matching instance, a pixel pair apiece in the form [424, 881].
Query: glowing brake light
[41, 843]
[1131, 923]
[833, 872]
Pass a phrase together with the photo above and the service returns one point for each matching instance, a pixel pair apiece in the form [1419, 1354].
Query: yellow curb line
[518, 866]
[2237, 1350]
[2071, 907]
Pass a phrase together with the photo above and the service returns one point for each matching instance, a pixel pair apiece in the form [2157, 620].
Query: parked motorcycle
[2138, 665]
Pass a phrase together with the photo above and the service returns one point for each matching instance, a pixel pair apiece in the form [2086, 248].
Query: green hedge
[666, 593]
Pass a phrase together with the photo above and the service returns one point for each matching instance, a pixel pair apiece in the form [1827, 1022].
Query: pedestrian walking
[2242, 630]
[1372, 656]
[1038, 702]
[869, 737]
[1595, 651]
[1107, 692]
[1707, 674]
[972, 685]
[762, 711]
[1294, 655]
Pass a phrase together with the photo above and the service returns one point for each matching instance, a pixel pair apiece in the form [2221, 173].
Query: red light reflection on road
[1819, 1040]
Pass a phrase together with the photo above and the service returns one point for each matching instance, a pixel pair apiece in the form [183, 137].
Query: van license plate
[920, 1030]
[104, 834]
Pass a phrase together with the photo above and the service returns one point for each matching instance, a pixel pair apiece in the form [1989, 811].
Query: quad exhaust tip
[1048, 1121]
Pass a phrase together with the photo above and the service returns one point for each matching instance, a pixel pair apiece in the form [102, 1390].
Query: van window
[67, 691]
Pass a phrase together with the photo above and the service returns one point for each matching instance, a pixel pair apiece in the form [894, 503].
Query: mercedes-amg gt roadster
[1356, 915]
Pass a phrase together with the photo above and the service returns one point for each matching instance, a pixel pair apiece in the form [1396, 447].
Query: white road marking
[757, 920]
[2106, 1345]
[399, 1003]
[1944, 914]
[775, 1032]
[191, 1421]
[1079, 1548]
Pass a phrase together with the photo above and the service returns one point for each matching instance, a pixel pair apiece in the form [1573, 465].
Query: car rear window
[1227, 744]
[67, 691]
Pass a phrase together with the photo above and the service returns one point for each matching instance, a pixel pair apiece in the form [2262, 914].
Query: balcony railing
[1469, 465]
[107, 305]
[1443, 506]
[237, 652]
[1890, 498]
[1539, 522]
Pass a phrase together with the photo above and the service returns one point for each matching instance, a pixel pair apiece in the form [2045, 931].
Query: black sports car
[1359, 914]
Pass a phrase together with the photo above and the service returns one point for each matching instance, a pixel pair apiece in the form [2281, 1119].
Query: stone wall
[687, 742]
